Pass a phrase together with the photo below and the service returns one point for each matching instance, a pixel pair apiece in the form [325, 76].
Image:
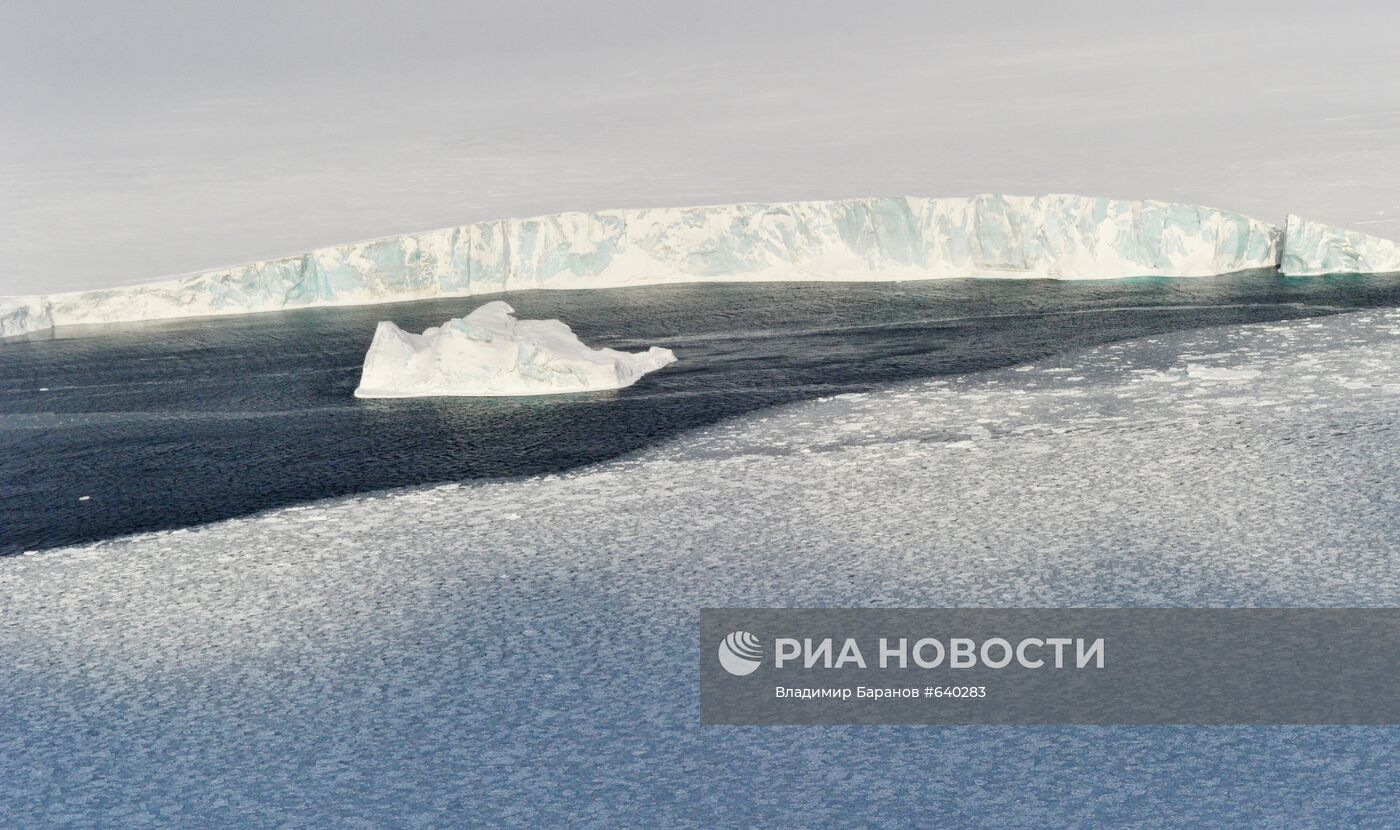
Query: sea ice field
[522, 652]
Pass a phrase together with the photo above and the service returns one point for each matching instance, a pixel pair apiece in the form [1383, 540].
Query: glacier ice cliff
[489, 352]
[1312, 248]
[21, 315]
[884, 238]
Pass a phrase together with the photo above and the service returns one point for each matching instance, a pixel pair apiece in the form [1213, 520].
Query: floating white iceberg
[885, 238]
[489, 352]
[1312, 248]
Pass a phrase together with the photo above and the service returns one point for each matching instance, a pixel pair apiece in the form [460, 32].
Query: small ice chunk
[1199, 371]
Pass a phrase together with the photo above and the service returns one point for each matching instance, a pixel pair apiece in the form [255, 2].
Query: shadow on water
[175, 423]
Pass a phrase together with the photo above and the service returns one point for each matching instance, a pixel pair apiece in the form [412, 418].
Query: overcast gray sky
[151, 138]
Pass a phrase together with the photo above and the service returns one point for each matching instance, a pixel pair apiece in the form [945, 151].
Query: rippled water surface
[119, 429]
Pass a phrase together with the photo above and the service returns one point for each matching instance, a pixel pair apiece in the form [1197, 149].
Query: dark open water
[174, 423]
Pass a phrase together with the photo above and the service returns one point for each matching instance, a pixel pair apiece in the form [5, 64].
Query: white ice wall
[1312, 248]
[21, 315]
[884, 238]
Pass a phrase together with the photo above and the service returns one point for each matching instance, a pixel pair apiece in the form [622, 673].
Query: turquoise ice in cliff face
[887, 238]
[1312, 248]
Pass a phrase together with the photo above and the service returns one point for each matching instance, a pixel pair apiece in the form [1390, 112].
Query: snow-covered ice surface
[1060, 236]
[1314, 248]
[523, 652]
[489, 352]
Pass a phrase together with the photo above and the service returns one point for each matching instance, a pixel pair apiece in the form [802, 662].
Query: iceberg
[1312, 248]
[489, 352]
[883, 238]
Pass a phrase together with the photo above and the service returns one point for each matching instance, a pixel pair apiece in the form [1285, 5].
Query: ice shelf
[883, 238]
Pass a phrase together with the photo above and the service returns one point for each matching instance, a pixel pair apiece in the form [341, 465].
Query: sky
[145, 139]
